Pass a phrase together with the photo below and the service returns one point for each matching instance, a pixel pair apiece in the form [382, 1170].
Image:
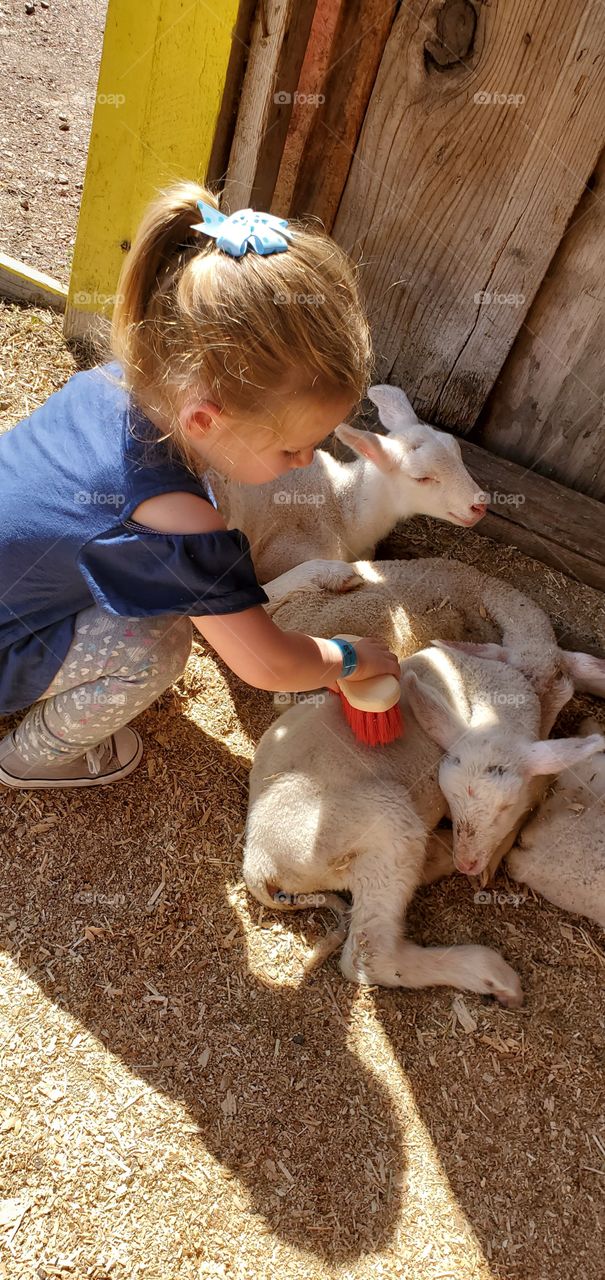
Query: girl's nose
[304, 457]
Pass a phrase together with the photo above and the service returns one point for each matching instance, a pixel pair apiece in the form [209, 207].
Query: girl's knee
[173, 646]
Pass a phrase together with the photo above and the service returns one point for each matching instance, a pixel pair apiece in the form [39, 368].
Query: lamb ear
[588, 725]
[432, 712]
[496, 652]
[586, 671]
[394, 409]
[555, 754]
[377, 449]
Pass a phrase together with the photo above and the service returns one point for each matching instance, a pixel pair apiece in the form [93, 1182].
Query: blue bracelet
[349, 656]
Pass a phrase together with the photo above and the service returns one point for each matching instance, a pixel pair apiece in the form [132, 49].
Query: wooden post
[278, 42]
[163, 70]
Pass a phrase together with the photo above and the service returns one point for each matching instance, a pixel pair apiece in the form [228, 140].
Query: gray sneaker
[110, 760]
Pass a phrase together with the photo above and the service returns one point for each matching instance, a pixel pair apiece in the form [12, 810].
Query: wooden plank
[20, 283]
[360, 35]
[483, 126]
[234, 78]
[547, 408]
[542, 518]
[308, 101]
[159, 94]
[280, 33]
[500, 529]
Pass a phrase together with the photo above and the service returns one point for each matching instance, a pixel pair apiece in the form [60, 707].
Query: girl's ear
[198, 416]
[377, 449]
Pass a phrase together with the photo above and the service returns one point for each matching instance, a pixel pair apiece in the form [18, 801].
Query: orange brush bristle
[371, 706]
[373, 728]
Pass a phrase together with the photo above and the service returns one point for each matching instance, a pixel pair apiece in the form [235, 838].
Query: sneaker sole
[48, 784]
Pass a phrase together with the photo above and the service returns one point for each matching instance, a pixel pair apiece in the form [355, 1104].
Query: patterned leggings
[114, 669]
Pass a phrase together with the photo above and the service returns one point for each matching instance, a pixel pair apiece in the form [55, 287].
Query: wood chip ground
[178, 1101]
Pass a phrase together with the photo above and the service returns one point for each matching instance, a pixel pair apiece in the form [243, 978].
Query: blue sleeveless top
[71, 476]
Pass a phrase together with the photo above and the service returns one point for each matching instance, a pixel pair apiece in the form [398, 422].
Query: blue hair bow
[243, 230]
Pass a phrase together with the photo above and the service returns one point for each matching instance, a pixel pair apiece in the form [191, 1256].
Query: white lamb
[409, 602]
[327, 814]
[340, 511]
[561, 852]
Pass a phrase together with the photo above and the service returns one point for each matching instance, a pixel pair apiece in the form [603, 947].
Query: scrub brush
[371, 707]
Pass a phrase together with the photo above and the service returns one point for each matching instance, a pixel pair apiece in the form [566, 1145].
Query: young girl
[237, 344]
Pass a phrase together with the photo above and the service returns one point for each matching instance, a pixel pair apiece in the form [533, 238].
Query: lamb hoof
[351, 583]
[501, 982]
[341, 578]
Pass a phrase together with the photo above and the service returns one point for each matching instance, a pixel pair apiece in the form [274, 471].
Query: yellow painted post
[161, 80]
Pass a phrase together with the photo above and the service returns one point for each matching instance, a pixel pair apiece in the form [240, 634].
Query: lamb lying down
[325, 814]
[561, 852]
[409, 602]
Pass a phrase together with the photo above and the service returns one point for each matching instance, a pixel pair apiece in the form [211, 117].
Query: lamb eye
[426, 480]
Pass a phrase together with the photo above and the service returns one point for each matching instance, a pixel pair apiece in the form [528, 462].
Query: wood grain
[278, 41]
[547, 407]
[22, 283]
[358, 44]
[234, 76]
[543, 519]
[451, 196]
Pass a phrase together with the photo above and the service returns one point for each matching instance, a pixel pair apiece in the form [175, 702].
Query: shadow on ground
[508, 1105]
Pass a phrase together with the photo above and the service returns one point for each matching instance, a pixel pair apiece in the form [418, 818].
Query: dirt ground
[178, 1100]
[49, 61]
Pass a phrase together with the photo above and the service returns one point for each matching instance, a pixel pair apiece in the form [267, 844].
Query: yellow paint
[161, 80]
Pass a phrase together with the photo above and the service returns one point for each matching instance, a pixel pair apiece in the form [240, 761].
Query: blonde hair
[190, 318]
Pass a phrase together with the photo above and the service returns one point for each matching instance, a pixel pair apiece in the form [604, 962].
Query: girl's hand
[373, 659]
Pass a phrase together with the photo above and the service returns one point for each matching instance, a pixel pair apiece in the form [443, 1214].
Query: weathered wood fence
[456, 149]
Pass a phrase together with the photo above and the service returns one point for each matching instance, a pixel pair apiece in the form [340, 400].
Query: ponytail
[188, 317]
[162, 241]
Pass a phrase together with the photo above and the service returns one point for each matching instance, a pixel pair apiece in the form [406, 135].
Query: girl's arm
[268, 658]
[257, 650]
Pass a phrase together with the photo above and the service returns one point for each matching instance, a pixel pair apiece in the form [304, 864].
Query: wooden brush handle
[377, 693]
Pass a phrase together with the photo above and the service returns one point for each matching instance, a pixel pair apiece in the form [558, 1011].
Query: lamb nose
[479, 508]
